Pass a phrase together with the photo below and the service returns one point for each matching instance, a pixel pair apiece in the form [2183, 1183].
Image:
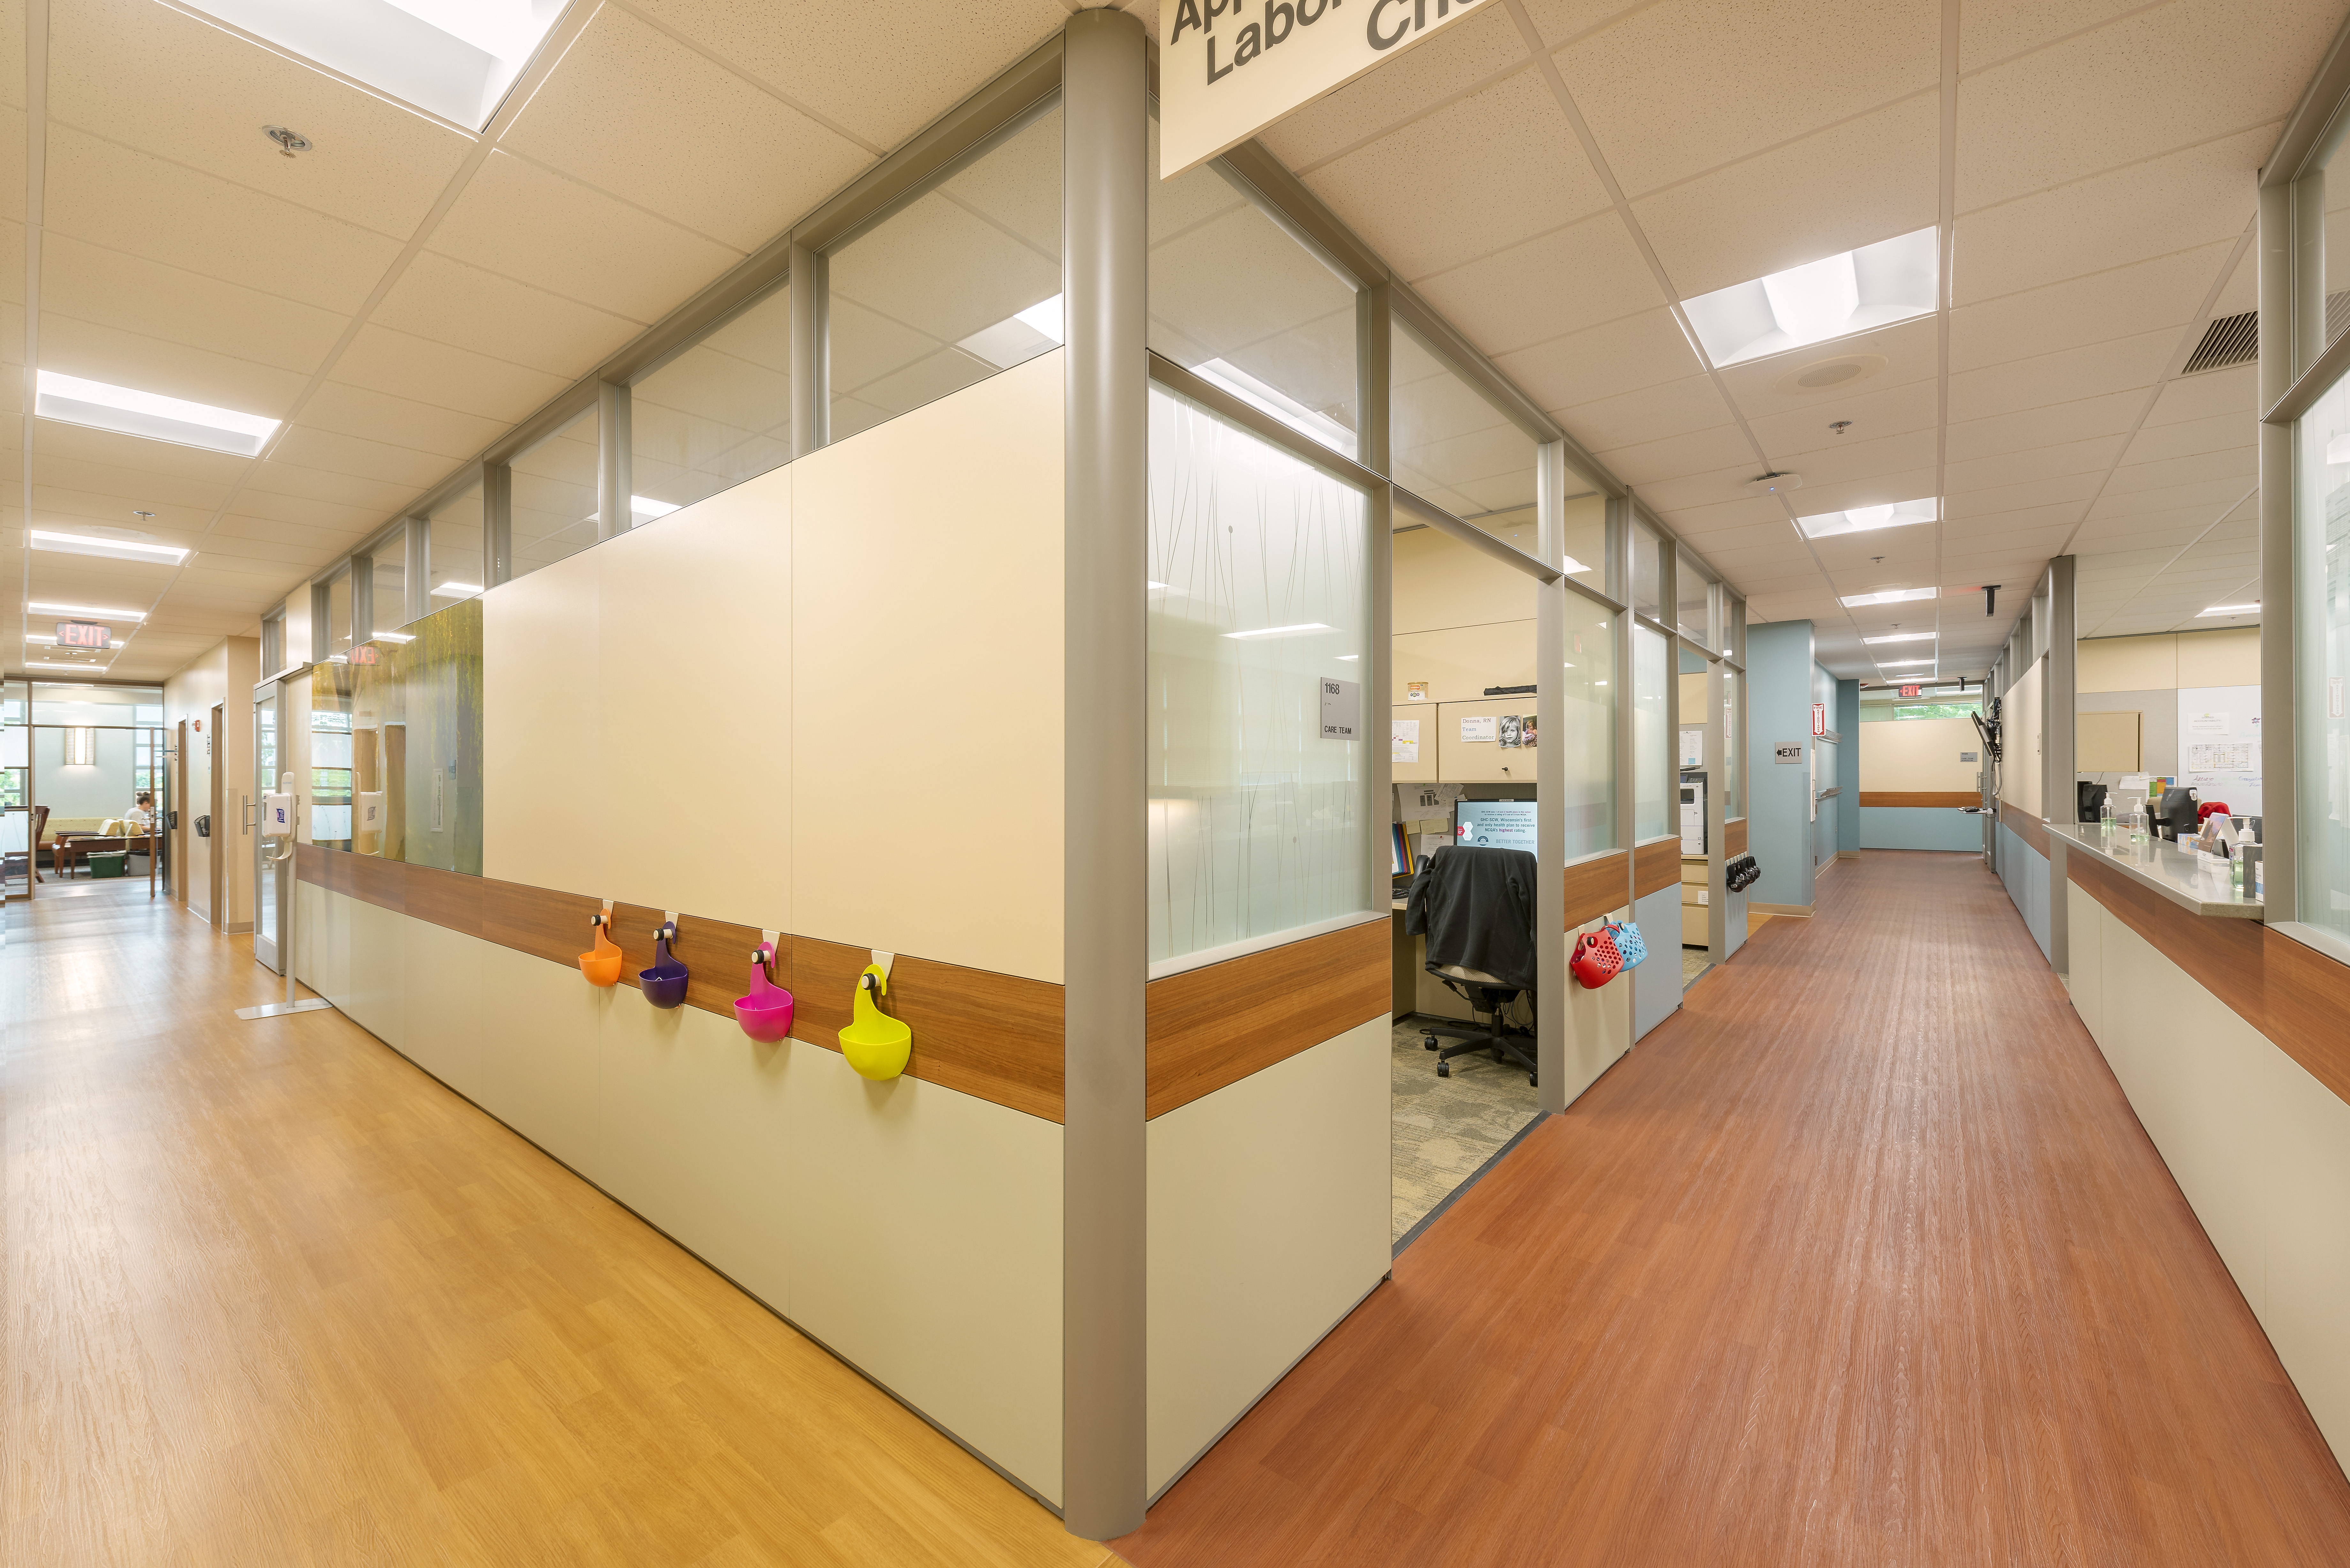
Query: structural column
[1550, 782]
[1104, 945]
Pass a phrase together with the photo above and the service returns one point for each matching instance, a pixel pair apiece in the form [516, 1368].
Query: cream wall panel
[377, 970]
[1269, 1220]
[1598, 1023]
[450, 1032]
[241, 660]
[1480, 762]
[2086, 951]
[2230, 656]
[1693, 703]
[926, 1246]
[1918, 754]
[2109, 742]
[693, 1136]
[2125, 663]
[2019, 769]
[1424, 770]
[544, 1080]
[1460, 662]
[694, 626]
[548, 815]
[1440, 582]
[926, 622]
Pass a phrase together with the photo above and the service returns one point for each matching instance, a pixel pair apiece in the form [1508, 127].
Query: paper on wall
[1487, 729]
[1403, 740]
[2206, 723]
[1416, 692]
[2220, 757]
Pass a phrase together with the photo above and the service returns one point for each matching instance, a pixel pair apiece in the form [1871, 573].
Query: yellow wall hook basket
[876, 1044]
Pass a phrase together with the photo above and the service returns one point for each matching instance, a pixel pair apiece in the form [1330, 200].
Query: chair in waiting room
[1476, 908]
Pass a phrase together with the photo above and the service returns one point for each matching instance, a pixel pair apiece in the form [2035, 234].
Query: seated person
[140, 818]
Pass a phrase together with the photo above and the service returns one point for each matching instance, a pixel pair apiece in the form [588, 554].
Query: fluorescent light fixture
[456, 590]
[50, 608]
[2230, 609]
[1303, 628]
[1020, 336]
[1898, 636]
[1271, 400]
[1573, 566]
[1836, 296]
[1890, 597]
[1351, 658]
[127, 410]
[645, 506]
[113, 549]
[455, 59]
[392, 637]
[49, 664]
[1862, 519]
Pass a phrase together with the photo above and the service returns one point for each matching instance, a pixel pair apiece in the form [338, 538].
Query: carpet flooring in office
[1860, 1257]
[1445, 1128]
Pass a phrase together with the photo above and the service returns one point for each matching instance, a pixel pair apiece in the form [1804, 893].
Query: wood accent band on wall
[2298, 998]
[1915, 797]
[1733, 835]
[1210, 1027]
[2026, 827]
[1656, 867]
[994, 1036]
[1597, 886]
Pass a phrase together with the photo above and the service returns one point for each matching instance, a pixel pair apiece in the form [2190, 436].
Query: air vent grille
[2236, 339]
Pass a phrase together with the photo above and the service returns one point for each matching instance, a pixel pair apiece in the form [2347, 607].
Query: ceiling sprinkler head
[143, 516]
[288, 141]
[1841, 426]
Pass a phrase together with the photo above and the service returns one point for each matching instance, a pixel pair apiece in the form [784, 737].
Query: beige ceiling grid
[1557, 174]
[409, 290]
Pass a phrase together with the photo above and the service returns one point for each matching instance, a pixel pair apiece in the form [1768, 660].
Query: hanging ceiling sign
[1228, 69]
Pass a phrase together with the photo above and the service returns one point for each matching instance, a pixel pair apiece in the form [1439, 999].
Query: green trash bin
[106, 862]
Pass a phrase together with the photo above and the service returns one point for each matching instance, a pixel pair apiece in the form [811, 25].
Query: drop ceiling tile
[1834, 494]
[1701, 524]
[169, 305]
[2180, 201]
[126, 358]
[1454, 63]
[2094, 456]
[2243, 287]
[1742, 78]
[169, 84]
[1435, 210]
[449, 302]
[1959, 504]
[63, 467]
[1699, 451]
[292, 479]
[1693, 490]
[2060, 424]
[2209, 501]
[124, 199]
[1605, 361]
[356, 410]
[1876, 412]
[1774, 210]
[133, 455]
[405, 366]
[2044, 381]
[2164, 76]
[879, 71]
[529, 223]
[294, 541]
[1561, 282]
[1873, 466]
[2158, 295]
[722, 156]
[2173, 474]
[340, 517]
[358, 457]
[2213, 394]
[2238, 431]
[1646, 413]
[1911, 351]
[1911, 549]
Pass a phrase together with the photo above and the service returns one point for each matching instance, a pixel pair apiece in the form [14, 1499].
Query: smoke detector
[1774, 482]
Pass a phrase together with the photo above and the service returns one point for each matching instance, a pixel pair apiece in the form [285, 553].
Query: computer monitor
[1494, 824]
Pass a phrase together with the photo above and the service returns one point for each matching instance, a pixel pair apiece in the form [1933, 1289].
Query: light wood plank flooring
[1861, 1259]
[274, 1296]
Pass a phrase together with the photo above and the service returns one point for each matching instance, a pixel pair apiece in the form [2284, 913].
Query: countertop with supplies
[2193, 882]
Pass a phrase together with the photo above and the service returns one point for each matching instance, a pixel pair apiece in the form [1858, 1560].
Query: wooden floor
[273, 1296]
[1861, 1259]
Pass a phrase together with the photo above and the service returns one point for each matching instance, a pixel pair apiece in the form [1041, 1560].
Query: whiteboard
[2220, 744]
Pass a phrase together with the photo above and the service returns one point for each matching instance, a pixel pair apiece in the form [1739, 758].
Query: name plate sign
[1228, 69]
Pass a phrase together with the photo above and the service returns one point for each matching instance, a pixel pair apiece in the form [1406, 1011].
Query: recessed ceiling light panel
[1836, 296]
[127, 410]
[111, 549]
[2230, 609]
[1898, 636]
[46, 607]
[1863, 519]
[1886, 597]
[455, 59]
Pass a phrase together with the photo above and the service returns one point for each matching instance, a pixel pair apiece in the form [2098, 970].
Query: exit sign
[82, 634]
[1909, 691]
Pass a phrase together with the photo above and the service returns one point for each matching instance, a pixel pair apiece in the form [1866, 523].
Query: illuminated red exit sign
[82, 634]
[1909, 691]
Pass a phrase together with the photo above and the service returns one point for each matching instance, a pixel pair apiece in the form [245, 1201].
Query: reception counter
[2196, 883]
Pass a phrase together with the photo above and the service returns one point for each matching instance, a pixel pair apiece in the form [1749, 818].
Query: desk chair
[1476, 907]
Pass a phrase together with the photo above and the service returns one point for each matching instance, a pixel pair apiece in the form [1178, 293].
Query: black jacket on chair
[1476, 907]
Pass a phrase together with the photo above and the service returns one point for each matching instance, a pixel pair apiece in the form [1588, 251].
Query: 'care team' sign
[1228, 69]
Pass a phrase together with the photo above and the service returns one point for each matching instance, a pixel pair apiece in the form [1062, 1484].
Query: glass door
[269, 888]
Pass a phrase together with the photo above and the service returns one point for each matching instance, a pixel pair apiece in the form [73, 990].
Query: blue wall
[1779, 673]
[2025, 871]
[1919, 827]
[1848, 724]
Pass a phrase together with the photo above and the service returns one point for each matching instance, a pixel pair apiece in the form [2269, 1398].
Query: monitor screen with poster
[1494, 824]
